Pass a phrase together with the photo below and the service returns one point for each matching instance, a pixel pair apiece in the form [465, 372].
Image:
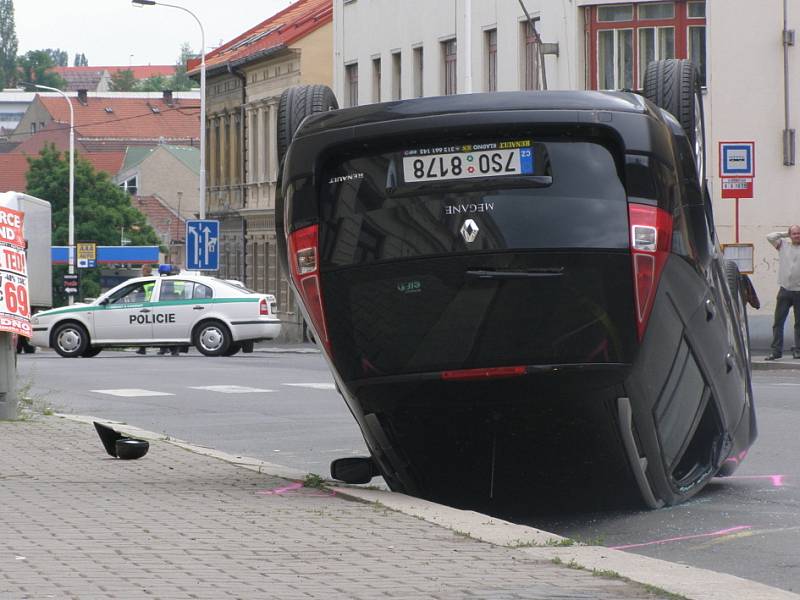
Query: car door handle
[729, 362]
[198, 307]
[710, 309]
[145, 310]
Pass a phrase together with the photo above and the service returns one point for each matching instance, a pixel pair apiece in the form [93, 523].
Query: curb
[691, 582]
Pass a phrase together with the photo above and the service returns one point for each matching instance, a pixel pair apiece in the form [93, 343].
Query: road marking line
[131, 392]
[314, 386]
[684, 537]
[230, 389]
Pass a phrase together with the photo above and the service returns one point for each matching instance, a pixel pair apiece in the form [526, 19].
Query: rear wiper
[527, 273]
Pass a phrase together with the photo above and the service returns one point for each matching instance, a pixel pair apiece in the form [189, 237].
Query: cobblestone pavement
[77, 523]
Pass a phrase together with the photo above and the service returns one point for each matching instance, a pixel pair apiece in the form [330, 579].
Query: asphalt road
[282, 407]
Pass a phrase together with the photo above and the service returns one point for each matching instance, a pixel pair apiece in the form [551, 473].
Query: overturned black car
[521, 292]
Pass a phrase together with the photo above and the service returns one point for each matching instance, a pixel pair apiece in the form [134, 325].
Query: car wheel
[232, 349]
[295, 104]
[674, 85]
[91, 351]
[737, 298]
[70, 340]
[212, 338]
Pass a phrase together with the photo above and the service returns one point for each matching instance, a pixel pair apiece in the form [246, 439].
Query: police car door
[125, 315]
[174, 313]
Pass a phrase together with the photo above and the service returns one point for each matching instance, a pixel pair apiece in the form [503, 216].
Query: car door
[180, 305]
[125, 315]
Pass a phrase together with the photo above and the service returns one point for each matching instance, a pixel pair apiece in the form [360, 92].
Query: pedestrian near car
[147, 271]
[787, 243]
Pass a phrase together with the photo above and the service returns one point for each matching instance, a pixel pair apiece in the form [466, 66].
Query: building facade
[245, 78]
[384, 50]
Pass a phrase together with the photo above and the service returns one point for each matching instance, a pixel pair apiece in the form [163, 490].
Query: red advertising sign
[15, 310]
[11, 227]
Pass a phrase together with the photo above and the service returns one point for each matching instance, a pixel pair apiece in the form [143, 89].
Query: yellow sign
[86, 250]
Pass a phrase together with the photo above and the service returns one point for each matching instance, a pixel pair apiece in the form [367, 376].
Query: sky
[116, 33]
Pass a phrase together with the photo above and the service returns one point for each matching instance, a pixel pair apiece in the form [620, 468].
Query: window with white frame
[624, 38]
[397, 76]
[531, 56]
[450, 65]
[376, 79]
[490, 80]
[417, 67]
[351, 83]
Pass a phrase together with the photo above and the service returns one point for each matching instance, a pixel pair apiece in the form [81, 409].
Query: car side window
[202, 292]
[176, 289]
[132, 294]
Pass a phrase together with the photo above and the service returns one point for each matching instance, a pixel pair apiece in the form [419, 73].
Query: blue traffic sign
[202, 245]
[737, 159]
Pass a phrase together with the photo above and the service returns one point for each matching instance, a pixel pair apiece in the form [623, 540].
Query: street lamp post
[202, 96]
[71, 251]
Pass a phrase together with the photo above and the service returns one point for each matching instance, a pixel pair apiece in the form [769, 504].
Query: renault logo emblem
[469, 231]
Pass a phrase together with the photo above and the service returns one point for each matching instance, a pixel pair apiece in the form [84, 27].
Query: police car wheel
[70, 340]
[212, 338]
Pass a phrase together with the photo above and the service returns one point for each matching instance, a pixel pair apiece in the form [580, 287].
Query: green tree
[102, 211]
[156, 83]
[59, 56]
[8, 44]
[81, 60]
[124, 81]
[180, 81]
[34, 67]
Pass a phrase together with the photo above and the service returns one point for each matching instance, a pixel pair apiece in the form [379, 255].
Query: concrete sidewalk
[188, 522]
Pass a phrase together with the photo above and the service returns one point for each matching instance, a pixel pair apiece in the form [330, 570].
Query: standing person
[789, 291]
[147, 271]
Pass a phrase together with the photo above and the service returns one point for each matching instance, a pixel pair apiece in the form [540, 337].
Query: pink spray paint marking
[296, 489]
[685, 537]
[777, 480]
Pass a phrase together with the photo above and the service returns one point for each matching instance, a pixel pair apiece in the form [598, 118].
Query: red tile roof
[282, 29]
[139, 71]
[129, 118]
[168, 225]
[56, 135]
[14, 165]
[12, 172]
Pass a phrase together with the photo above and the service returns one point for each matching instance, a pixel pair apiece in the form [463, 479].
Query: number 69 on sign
[14, 299]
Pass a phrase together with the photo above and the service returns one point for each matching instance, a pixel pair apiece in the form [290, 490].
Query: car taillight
[651, 240]
[263, 307]
[303, 258]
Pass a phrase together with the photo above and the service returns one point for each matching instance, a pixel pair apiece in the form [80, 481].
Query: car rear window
[520, 193]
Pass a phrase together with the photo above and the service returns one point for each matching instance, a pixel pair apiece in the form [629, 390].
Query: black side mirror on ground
[356, 469]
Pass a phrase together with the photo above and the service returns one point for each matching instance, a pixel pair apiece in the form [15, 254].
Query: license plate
[497, 162]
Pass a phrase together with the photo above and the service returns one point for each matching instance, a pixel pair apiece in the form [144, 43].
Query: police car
[217, 317]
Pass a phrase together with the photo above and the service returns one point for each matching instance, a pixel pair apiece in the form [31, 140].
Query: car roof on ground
[495, 101]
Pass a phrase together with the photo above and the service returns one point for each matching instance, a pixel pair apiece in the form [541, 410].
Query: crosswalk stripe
[131, 392]
[314, 386]
[230, 389]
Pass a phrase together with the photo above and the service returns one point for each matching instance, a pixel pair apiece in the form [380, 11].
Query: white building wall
[744, 98]
[364, 30]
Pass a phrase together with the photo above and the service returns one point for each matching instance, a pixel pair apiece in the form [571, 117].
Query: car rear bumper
[255, 330]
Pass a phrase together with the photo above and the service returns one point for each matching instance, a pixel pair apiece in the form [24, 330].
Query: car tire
[91, 351]
[70, 340]
[212, 338]
[232, 349]
[295, 104]
[674, 85]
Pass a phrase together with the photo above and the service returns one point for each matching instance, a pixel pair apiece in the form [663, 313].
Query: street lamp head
[143, 2]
